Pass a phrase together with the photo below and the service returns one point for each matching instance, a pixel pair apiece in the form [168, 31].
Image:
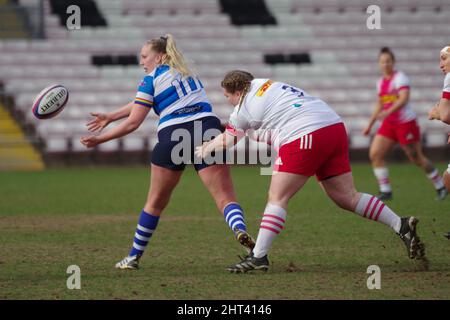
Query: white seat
[133, 143]
[56, 144]
[109, 146]
[436, 139]
[77, 146]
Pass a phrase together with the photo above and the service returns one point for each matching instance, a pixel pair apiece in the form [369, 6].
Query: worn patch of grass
[60, 217]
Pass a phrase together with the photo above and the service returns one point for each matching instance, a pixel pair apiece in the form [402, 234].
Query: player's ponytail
[237, 80]
[172, 56]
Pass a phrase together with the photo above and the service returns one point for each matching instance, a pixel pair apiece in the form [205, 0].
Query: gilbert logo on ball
[50, 101]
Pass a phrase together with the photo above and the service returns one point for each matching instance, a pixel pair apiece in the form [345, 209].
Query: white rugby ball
[50, 101]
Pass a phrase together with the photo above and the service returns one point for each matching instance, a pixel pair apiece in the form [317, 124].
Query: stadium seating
[331, 33]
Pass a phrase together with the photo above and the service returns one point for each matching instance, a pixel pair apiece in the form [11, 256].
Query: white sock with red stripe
[382, 175]
[372, 208]
[436, 179]
[271, 225]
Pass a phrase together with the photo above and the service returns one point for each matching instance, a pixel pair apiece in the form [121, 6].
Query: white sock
[372, 208]
[272, 223]
[382, 175]
[436, 179]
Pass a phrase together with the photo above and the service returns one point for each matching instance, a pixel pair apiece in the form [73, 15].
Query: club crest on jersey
[388, 98]
[409, 136]
[264, 88]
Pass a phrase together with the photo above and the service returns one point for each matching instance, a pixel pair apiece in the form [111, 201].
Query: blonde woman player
[399, 125]
[178, 97]
[441, 111]
[311, 140]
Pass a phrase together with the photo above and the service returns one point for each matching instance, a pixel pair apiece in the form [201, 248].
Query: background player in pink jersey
[441, 111]
[311, 140]
[399, 125]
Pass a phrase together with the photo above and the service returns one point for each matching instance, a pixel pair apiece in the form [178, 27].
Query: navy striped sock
[145, 228]
[234, 216]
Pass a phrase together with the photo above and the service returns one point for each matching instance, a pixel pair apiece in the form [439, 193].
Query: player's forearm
[397, 106]
[121, 130]
[222, 141]
[122, 112]
[375, 113]
[443, 109]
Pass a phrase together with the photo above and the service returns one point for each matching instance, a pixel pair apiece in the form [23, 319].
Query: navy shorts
[176, 144]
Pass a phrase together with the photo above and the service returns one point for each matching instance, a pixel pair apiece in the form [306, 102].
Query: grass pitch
[87, 217]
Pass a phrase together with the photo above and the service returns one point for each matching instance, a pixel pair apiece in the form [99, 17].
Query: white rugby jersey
[174, 98]
[446, 89]
[388, 91]
[280, 112]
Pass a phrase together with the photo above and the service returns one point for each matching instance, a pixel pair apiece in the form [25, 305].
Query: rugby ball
[50, 101]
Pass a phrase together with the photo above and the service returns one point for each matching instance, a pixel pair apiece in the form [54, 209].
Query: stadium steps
[12, 24]
[16, 152]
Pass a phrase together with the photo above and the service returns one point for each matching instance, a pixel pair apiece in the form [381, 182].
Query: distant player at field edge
[398, 125]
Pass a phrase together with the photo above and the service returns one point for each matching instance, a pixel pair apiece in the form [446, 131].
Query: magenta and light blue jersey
[174, 98]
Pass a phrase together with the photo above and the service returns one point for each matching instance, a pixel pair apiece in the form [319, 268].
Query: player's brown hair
[237, 80]
[387, 50]
[171, 55]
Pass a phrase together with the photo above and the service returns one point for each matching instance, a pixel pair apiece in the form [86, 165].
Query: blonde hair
[446, 50]
[237, 80]
[171, 55]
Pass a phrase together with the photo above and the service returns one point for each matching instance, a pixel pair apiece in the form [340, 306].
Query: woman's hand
[433, 113]
[100, 121]
[90, 141]
[201, 151]
[366, 130]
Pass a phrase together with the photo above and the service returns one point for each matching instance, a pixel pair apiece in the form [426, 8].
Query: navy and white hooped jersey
[174, 98]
